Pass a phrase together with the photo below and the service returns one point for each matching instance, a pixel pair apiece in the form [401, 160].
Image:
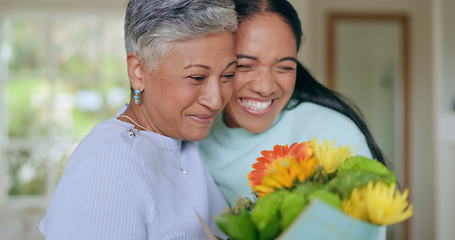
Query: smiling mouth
[255, 106]
[204, 119]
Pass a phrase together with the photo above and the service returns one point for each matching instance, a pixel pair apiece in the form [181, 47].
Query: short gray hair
[150, 25]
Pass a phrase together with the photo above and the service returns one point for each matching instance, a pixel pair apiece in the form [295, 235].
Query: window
[59, 77]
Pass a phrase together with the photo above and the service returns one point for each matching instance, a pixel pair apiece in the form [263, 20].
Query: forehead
[266, 32]
[209, 49]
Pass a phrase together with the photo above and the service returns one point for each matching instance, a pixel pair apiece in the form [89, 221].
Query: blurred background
[62, 70]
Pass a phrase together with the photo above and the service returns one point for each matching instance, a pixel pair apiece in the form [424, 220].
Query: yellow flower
[329, 156]
[379, 204]
[282, 167]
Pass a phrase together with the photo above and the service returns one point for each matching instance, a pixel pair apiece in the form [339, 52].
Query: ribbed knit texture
[118, 186]
[229, 153]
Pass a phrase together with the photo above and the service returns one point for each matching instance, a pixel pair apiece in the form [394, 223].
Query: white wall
[422, 104]
[448, 18]
[444, 138]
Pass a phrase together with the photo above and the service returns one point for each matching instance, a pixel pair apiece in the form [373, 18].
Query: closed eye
[284, 69]
[244, 68]
[198, 78]
[228, 77]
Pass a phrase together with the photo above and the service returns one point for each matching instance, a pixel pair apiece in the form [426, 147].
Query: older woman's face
[266, 72]
[192, 83]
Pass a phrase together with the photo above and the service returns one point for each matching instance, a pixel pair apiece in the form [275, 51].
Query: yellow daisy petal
[378, 203]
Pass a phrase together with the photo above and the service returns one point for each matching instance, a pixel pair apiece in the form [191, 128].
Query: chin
[257, 128]
[196, 136]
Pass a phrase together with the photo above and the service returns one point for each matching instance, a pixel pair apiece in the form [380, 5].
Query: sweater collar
[238, 137]
[167, 143]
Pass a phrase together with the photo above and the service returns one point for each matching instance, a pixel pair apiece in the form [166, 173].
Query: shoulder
[109, 141]
[104, 183]
[110, 132]
[107, 153]
[312, 120]
[316, 111]
[103, 170]
[317, 116]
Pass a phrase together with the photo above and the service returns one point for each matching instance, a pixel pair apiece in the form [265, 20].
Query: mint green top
[229, 153]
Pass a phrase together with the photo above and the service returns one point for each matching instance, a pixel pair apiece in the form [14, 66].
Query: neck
[139, 114]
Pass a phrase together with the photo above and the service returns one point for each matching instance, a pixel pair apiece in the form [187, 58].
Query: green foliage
[83, 123]
[113, 68]
[237, 227]
[275, 212]
[25, 120]
[358, 171]
[328, 197]
[308, 187]
[291, 207]
[366, 164]
[346, 181]
[27, 43]
[266, 214]
[36, 185]
[31, 97]
[76, 65]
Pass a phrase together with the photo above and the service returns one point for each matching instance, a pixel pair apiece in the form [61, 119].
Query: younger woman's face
[266, 72]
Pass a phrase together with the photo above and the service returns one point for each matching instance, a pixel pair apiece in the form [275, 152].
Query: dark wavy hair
[307, 88]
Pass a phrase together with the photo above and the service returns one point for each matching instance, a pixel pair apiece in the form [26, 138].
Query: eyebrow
[247, 56]
[197, 65]
[207, 67]
[293, 59]
[231, 63]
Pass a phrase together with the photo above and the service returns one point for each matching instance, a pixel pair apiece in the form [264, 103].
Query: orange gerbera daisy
[281, 167]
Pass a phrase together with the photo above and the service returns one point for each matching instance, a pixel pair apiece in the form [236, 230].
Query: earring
[137, 96]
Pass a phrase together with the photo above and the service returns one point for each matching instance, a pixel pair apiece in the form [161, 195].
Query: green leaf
[365, 164]
[308, 187]
[237, 227]
[291, 207]
[265, 214]
[330, 198]
[271, 230]
[347, 180]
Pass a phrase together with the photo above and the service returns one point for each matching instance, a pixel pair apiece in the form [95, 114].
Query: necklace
[135, 123]
[182, 170]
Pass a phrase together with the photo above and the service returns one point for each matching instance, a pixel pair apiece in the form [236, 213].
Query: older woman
[138, 176]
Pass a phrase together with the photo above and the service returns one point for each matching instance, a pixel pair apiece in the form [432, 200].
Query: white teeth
[255, 106]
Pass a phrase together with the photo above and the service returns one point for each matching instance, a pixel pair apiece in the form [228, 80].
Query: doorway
[368, 62]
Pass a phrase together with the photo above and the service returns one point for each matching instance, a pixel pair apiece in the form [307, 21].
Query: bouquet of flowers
[303, 188]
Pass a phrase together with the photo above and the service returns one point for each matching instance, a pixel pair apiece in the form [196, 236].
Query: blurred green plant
[24, 120]
[36, 184]
[77, 63]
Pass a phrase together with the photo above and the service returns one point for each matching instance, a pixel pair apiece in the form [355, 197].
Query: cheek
[227, 90]
[171, 97]
[287, 83]
[185, 99]
[241, 80]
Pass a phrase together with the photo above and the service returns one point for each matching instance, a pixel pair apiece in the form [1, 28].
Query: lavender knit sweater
[121, 183]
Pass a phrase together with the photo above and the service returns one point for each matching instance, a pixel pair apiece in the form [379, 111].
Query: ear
[136, 71]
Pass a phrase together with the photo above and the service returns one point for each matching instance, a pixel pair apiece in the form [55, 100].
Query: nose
[264, 84]
[211, 96]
